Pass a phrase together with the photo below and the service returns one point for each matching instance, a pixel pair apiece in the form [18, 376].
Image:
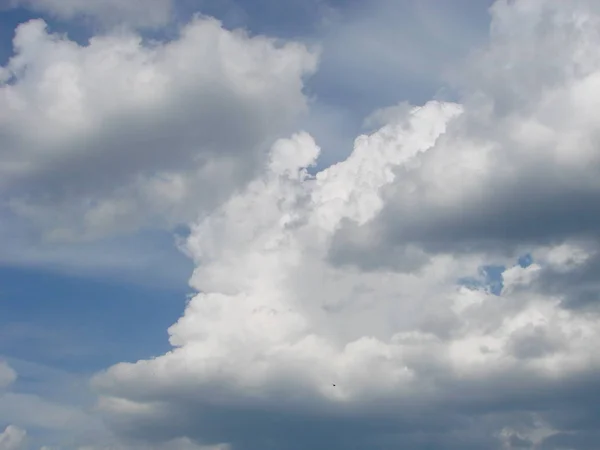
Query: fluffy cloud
[371, 275]
[129, 132]
[525, 154]
[12, 438]
[138, 13]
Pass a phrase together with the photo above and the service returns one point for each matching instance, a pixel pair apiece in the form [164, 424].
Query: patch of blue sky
[525, 260]
[79, 324]
[489, 278]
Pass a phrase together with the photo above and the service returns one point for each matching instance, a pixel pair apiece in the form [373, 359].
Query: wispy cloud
[143, 14]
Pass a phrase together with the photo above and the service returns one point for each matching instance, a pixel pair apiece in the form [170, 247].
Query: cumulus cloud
[137, 13]
[12, 438]
[519, 167]
[129, 132]
[371, 275]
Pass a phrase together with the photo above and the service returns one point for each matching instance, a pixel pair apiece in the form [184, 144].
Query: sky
[316, 224]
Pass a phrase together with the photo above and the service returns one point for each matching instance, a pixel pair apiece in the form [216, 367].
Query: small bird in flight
[334, 385]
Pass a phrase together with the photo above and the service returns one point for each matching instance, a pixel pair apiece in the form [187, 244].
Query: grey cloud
[577, 288]
[567, 441]
[532, 186]
[469, 417]
[533, 342]
[506, 218]
[271, 428]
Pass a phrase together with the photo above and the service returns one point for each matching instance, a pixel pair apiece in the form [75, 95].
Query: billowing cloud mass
[376, 275]
[119, 133]
[12, 438]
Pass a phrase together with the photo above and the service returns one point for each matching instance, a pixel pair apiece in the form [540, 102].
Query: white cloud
[131, 133]
[353, 277]
[146, 13]
[7, 374]
[12, 438]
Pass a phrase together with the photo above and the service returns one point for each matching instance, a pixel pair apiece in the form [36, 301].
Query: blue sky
[171, 277]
